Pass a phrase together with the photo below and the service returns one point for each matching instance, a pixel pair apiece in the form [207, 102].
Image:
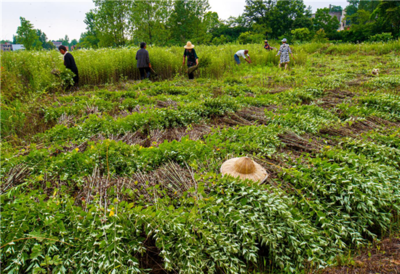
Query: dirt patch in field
[15, 176]
[244, 117]
[167, 104]
[277, 90]
[172, 178]
[356, 128]
[151, 259]
[383, 258]
[302, 144]
[333, 98]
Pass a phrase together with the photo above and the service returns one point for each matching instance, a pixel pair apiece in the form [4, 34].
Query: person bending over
[242, 53]
[69, 63]
[143, 61]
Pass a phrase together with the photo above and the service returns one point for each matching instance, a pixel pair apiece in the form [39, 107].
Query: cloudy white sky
[58, 18]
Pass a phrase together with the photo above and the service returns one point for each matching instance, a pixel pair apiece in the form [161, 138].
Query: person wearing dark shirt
[267, 46]
[69, 63]
[192, 59]
[143, 61]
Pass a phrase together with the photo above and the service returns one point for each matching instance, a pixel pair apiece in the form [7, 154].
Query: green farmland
[123, 175]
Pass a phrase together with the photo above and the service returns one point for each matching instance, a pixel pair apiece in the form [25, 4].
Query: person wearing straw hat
[244, 168]
[284, 51]
[192, 59]
[242, 53]
[267, 46]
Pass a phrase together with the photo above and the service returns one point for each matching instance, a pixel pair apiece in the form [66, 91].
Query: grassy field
[123, 176]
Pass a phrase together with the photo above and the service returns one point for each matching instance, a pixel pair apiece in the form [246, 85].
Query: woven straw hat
[189, 45]
[265, 41]
[245, 168]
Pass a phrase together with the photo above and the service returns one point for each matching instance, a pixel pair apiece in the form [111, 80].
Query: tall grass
[31, 71]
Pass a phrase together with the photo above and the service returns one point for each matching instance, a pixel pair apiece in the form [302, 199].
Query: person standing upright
[192, 59]
[69, 63]
[143, 61]
[284, 51]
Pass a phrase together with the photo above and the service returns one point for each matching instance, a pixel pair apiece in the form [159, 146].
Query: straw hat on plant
[189, 45]
[244, 168]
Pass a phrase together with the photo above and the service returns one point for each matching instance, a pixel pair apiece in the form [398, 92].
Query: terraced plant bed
[125, 178]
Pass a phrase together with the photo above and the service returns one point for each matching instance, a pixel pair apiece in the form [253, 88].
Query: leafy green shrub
[382, 37]
[301, 34]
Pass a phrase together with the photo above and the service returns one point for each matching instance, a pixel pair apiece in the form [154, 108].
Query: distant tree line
[168, 22]
[35, 39]
[171, 22]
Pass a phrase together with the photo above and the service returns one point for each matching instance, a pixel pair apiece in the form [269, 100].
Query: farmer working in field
[284, 51]
[69, 63]
[242, 53]
[143, 61]
[192, 59]
[267, 46]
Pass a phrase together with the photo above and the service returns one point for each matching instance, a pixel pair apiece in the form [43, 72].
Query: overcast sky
[58, 18]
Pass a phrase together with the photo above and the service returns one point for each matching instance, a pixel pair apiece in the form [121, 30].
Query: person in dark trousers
[192, 59]
[69, 63]
[143, 61]
[267, 46]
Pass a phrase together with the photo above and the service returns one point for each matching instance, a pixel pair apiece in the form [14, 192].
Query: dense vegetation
[123, 176]
[169, 22]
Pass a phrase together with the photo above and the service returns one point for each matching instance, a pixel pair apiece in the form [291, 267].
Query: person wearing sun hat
[244, 168]
[284, 51]
[267, 46]
[192, 59]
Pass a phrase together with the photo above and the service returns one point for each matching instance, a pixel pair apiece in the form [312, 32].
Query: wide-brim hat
[265, 41]
[284, 40]
[244, 168]
[189, 45]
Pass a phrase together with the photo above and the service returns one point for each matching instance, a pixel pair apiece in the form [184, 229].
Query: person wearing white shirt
[242, 53]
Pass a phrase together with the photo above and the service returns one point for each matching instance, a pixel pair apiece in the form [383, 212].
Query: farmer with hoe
[192, 59]
[69, 63]
[143, 61]
[267, 46]
[242, 53]
[284, 51]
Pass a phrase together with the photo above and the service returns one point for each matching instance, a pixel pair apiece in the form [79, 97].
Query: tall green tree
[186, 20]
[42, 37]
[259, 11]
[389, 12]
[112, 21]
[323, 20]
[289, 15]
[89, 38]
[277, 17]
[148, 21]
[230, 29]
[64, 41]
[26, 35]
